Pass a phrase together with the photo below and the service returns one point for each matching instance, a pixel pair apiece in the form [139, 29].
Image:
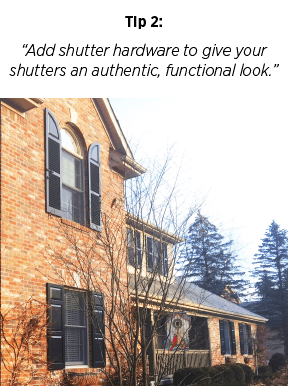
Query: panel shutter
[233, 339]
[222, 337]
[94, 186]
[98, 331]
[138, 249]
[165, 259]
[53, 164]
[55, 338]
[241, 333]
[149, 253]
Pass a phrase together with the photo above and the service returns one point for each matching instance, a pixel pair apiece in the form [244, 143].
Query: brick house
[63, 166]
[203, 329]
[63, 163]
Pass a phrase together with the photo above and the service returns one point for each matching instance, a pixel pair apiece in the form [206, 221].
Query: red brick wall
[214, 333]
[26, 228]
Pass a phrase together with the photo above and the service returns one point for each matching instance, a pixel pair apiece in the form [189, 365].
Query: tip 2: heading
[140, 22]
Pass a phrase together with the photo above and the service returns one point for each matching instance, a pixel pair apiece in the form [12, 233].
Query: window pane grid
[76, 332]
[157, 259]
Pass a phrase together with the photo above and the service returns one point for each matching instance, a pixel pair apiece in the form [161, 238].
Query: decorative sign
[177, 328]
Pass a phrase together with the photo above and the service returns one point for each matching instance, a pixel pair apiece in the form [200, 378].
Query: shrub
[279, 379]
[277, 362]
[238, 373]
[192, 376]
[265, 371]
[222, 375]
[249, 373]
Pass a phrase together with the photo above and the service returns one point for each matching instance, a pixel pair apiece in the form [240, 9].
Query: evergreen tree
[271, 274]
[208, 259]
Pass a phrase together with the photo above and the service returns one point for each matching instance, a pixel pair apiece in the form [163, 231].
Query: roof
[191, 298]
[210, 302]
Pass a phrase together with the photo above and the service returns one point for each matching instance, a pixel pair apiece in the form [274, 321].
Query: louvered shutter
[149, 253]
[94, 186]
[241, 334]
[55, 352]
[53, 164]
[222, 337]
[233, 339]
[98, 331]
[250, 343]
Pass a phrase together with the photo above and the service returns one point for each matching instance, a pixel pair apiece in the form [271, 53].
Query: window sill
[73, 224]
[76, 367]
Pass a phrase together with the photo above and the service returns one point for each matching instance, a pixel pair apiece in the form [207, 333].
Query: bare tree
[23, 329]
[137, 298]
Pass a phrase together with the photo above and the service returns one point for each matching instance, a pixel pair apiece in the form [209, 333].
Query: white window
[72, 177]
[76, 329]
[157, 257]
[134, 248]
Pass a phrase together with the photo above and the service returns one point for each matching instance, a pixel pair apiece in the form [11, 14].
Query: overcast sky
[234, 152]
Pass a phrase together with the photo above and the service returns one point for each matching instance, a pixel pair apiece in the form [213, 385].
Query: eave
[23, 104]
[121, 157]
[203, 310]
[151, 229]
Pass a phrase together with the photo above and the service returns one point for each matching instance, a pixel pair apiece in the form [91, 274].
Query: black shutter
[222, 337]
[165, 259]
[56, 336]
[138, 249]
[250, 344]
[98, 331]
[233, 339]
[149, 253]
[241, 334]
[130, 247]
[94, 186]
[53, 164]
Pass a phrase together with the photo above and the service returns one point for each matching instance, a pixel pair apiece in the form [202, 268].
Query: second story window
[65, 180]
[134, 250]
[157, 257]
[72, 177]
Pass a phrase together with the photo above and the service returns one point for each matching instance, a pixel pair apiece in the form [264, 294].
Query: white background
[200, 24]
[232, 130]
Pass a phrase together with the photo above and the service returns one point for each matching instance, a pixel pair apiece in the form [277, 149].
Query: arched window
[72, 177]
[65, 175]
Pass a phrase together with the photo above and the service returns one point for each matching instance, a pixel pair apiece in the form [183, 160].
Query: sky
[233, 152]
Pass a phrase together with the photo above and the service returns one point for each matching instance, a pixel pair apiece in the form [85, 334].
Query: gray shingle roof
[190, 297]
[196, 295]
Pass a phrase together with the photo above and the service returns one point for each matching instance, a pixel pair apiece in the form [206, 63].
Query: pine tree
[208, 260]
[271, 274]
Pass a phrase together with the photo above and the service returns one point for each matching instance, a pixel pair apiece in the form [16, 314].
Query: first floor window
[198, 334]
[76, 328]
[70, 328]
[161, 334]
[246, 343]
[178, 331]
[227, 337]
